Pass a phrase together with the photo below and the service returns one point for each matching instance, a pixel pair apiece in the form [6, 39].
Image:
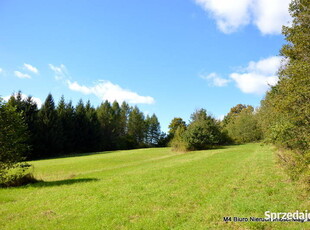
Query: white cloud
[31, 68]
[21, 75]
[105, 90]
[257, 77]
[267, 66]
[215, 79]
[220, 117]
[230, 15]
[1, 70]
[60, 71]
[24, 96]
[270, 15]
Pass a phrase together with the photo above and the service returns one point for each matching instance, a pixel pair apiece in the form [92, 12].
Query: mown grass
[154, 189]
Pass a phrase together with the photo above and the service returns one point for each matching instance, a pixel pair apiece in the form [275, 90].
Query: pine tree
[93, 136]
[66, 115]
[153, 132]
[13, 136]
[49, 130]
[13, 139]
[105, 116]
[136, 126]
[80, 127]
[29, 111]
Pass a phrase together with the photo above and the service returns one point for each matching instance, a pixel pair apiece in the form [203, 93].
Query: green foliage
[81, 127]
[66, 114]
[174, 125]
[243, 127]
[285, 111]
[92, 135]
[29, 112]
[49, 129]
[203, 132]
[152, 130]
[13, 135]
[178, 143]
[13, 144]
[67, 129]
[113, 123]
[136, 126]
[17, 175]
[105, 117]
[234, 111]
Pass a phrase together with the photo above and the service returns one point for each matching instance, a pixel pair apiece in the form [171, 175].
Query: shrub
[178, 142]
[20, 174]
[203, 132]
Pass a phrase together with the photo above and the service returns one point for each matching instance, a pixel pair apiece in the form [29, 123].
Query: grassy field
[154, 189]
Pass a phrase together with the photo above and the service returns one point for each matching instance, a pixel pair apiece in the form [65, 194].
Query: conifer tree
[136, 126]
[153, 132]
[93, 136]
[49, 129]
[66, 115]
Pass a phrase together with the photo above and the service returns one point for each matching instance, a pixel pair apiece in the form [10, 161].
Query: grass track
[154, 189]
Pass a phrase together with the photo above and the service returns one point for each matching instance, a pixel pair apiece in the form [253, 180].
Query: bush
[203, 132]
[18, 175]
[178, 142]
[295, 165]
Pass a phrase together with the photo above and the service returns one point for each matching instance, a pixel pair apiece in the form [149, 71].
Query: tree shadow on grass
[41, 184]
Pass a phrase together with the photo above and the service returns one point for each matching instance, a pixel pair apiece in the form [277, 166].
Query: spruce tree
[136, 126]
[93, 135]
[49, 130]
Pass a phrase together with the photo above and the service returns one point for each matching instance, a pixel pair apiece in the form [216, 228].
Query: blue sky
[167, 57]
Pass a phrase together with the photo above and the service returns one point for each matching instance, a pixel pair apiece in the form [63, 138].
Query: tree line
[203, 131]
[285, 110]
[64, 128]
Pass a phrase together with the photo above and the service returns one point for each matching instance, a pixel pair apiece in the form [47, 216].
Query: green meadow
[155, 189]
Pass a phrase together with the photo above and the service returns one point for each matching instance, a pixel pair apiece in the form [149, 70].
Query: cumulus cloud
[21, 75]
[105, 90]
[24, 97]
[267, 15]
[31, 68]
[215, 80]
[229, 15]
[257, 77]
[59, 71]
